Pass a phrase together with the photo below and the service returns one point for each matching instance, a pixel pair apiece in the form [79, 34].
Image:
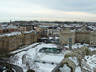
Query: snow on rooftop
[50, 37]
[29, 31]
[43, 38]
[44, 26]
[72, 30]
[92, 27]
[72, 25]
[53, 37]
[11, 34]
[56, 37]
[11, 26]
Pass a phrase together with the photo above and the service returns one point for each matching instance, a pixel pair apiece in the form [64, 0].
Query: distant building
[8, 29]
[11, 28]
[26, 27]
[46, 30]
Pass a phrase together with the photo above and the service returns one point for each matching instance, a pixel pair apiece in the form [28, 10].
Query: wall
[93, 38]
[83, 36]
[65, 35]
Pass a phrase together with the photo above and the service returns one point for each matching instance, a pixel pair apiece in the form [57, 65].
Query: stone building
[65, 35]
[40, 30]
[80, 36]
[12, 42]
[26, 27]
[47, 30]
[93, 38]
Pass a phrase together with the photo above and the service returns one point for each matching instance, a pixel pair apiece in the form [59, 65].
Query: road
[15, 67]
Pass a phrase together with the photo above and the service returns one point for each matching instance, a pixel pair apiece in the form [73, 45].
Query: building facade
[26, 28]
[82, 36]
[93, 38]
[65, 35]
[8, 29]
[10, 43]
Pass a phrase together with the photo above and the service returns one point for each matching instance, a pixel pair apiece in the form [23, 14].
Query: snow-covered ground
[92, 48]
[89, 63]
[77, 45]
[25, 48]
[45, 60]
[10, 34]
[65, 68]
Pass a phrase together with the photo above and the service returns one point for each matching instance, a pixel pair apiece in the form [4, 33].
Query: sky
[48, 10]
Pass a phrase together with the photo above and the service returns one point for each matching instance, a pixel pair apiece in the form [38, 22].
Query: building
[93, 38]
[79, 36]
[47, 30]
[26, 27]
[8, 29]
[65, 35]
[13, 41]
[11, 28]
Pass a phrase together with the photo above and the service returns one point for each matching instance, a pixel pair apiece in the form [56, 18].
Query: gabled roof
[11, 27]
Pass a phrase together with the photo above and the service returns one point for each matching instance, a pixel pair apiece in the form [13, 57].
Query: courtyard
[41, 57]
[39, 61]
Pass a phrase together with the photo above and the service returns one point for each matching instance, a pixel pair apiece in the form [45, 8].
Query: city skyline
[48, 10]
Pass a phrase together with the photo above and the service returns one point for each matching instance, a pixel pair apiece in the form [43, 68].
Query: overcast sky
[61, 10]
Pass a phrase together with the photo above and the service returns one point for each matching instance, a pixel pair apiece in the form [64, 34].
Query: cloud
[82, 10]
[69, 5]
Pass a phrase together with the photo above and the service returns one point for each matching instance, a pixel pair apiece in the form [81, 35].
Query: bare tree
[13, 59]
[28, 61]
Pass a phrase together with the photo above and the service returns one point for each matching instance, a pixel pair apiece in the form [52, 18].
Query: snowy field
[47, 62]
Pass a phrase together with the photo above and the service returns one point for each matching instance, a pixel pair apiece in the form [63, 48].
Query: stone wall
[79, 53]
[83, 36]
[65, 35]
[93, 38]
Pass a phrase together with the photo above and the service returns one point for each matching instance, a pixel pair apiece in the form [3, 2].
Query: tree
[13, 59]
[29, 62]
